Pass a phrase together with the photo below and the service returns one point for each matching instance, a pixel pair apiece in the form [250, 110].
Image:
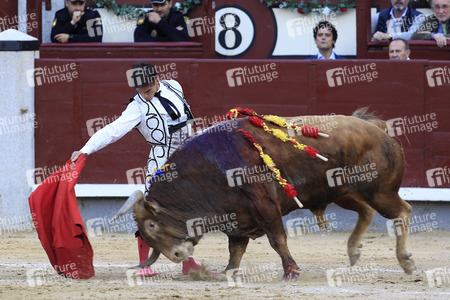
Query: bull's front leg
[277, 239]
[237, 247]
[271, 222]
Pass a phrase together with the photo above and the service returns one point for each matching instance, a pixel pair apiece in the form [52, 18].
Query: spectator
[436, 26]
[76, 23]
[399, 50]
[399, 21]
[325, 35]
[162, 24]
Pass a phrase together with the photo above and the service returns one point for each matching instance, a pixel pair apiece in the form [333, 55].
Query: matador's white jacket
[152, 120]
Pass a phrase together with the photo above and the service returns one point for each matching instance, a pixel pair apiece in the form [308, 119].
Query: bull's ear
[151, 207]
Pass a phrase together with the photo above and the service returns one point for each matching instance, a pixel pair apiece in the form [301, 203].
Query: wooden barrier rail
[123, 50]
[420, 49]
[99, 91]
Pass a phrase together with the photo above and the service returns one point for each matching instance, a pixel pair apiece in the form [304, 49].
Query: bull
[201, 191]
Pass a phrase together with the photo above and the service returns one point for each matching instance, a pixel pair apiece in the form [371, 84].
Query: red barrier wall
[301, 87]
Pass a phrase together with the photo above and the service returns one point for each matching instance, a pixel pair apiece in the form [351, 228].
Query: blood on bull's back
[362, 158]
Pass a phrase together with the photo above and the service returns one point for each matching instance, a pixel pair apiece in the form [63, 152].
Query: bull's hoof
[408, 265]
[291, 276]
[354, 258]
[354, 255]
[192, 265]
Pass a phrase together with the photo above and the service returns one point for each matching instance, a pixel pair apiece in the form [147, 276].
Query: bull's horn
[131, 201]
[150, 261]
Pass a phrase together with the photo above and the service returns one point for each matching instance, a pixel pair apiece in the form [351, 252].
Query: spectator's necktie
[444, 28]
[168, 106]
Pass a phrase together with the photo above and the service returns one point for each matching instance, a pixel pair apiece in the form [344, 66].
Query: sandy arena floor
[378, 277]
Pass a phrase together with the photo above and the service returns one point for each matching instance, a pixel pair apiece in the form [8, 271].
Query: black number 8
[237, 34]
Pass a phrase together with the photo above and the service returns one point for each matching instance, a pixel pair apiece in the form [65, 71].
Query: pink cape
[58, 223]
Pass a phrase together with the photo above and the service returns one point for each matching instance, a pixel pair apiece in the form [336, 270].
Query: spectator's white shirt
[332, 56]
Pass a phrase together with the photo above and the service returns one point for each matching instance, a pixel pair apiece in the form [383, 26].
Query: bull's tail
[362, 113]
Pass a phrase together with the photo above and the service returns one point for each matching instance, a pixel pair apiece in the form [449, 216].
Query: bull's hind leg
[392, 207]
[365, 217]
[237, 247]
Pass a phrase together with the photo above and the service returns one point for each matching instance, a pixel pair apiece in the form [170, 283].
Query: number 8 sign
[235, 31]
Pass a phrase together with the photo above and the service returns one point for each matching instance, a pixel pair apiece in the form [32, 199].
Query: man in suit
[325, 35]
[436, 26]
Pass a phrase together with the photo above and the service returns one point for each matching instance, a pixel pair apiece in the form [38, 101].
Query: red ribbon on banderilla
[260, 121]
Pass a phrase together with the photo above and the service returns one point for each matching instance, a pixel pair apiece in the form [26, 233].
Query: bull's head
[168, 240]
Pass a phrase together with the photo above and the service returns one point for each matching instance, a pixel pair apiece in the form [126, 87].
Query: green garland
[130, 11]
[311, 6]
[133, 12]
[187, 5]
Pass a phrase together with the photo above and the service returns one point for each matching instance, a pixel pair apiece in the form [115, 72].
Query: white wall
[47, 19]
[295, 32]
